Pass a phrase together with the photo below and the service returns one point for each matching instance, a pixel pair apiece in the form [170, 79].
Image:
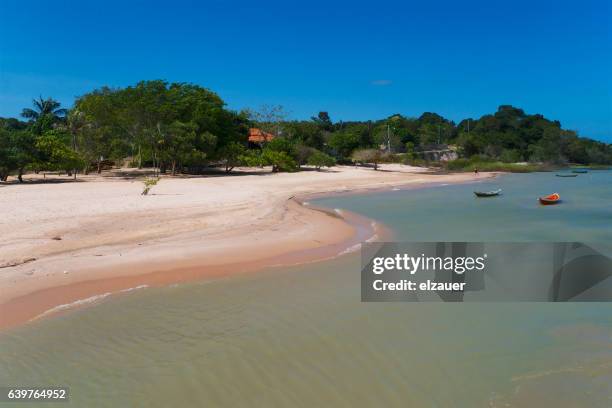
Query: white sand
[107, 229]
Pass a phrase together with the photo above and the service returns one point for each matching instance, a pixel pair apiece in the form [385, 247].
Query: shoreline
[44, 303]
[298, 233]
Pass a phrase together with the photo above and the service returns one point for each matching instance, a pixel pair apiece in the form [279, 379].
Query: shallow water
[300, 336]
[453, 213]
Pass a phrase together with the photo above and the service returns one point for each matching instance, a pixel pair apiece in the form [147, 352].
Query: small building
[257, 137]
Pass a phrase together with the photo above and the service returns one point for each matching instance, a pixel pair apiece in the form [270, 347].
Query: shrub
[148, 184]
[280, 161]
[303, 153]
[410, 160]
[510, 156]
[320, 159]
[281, 144]
[252, 158]
[471, 165]
[374, 156]
[232, 155]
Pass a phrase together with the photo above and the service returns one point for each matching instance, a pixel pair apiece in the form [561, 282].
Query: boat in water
[491, 193]
[554, 198]
[566, 175]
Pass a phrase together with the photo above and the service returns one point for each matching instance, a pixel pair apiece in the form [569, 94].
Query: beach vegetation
[369, 156]
[17, 152]
[44, 114]
[185, 128]
[52, 152]
[319, 159]
[511, 135]
[165, 125]
[149, 183]
[349, 138]
[177, 145]
[269, 118]
[483, 163]
[232, 155]
[279, 160]
[303, 153]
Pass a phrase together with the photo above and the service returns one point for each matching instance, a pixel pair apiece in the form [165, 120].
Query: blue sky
[355, 60]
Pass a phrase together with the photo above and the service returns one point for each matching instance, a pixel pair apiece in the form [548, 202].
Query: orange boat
[550, 199]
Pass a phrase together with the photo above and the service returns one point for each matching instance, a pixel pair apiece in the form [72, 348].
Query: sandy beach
[62, 242]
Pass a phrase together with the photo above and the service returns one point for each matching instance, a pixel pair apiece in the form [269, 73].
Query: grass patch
[471, 165]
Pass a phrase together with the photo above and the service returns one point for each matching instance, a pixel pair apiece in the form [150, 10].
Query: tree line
[185, 128]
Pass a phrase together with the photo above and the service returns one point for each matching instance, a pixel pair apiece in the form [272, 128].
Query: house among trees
[257, 137]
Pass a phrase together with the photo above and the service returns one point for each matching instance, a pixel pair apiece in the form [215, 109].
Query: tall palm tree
[76, 122]
[44, 107]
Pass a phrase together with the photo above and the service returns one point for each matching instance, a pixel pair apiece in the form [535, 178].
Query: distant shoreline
[100, 237]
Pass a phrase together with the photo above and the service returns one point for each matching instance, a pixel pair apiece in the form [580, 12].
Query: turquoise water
[300, 336]
[453, 213]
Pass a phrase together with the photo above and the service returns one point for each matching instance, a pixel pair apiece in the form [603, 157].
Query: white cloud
[382, 82]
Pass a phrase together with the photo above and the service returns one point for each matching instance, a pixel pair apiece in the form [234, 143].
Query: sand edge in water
[103, 261]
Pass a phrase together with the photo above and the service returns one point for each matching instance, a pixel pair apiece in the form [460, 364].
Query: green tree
[388, 134]
[510, 156]
[373, 156]
[108, 132]
[281, 144]
[320, 159]
[409, 146]
[7, 162]
[76, 122]
[17, 152]
[434, 129]
[54, 153]
[303, 153]
[178, 144]
[279, 160]
[12, 124]
[344, 141]
[305, 132]
[44, 107]
[136, 120]
[323, 121]
[232, 155]
[252, 158]
[45, 114]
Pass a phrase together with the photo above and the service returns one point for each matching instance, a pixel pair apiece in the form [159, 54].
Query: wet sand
[65, 243]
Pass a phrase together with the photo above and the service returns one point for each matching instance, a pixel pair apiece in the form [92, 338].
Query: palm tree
[44, 107]
[75, 123]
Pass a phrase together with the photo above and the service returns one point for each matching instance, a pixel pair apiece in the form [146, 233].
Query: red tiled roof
[259, 136]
